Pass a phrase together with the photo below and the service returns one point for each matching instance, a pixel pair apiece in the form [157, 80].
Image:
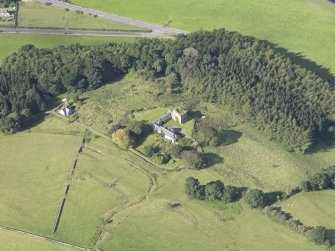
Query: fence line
[67, 188]
[41, 237]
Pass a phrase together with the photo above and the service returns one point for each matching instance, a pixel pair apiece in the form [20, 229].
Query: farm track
[104, 233]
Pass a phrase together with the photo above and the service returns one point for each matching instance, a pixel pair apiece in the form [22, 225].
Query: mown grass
[10, 241]
[313, 208]
[10, 43]
[105, 180]
[305, 27]
[34, 168]
[38, 15]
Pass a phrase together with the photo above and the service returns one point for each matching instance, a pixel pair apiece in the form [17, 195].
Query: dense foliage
[320, 181]
[291, 104]
[212, 191]
[255, 198]
[7, 3]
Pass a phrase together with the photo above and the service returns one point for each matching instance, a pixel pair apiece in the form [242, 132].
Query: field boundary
[67, 188]
[41, 237]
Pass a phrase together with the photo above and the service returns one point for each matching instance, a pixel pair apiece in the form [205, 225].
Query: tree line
[291, 104]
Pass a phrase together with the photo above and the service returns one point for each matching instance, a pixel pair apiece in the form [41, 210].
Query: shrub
[255, 198]
[317, 235]
[306, 186]
[320, 181]
[214, 190]
[193, 159]
[191, 187]
[174, 150]
[230, 194]
[151, 150]
[160, 158]
[122, 138]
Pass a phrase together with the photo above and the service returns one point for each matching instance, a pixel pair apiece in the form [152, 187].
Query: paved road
[80, 32]
[154, 28]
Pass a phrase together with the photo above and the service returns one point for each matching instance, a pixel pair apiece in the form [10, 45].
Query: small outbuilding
[65, 111]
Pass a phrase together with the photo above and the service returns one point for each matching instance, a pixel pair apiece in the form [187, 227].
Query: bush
[193, 159]
[320, 181]
[317, 235]
[174, 150]
[214, 190]
[230, 194]
[255, 198]
[306, 186]
[10, 124]
[160, 158]
[122, 138]
[192, 186]
[150, 150]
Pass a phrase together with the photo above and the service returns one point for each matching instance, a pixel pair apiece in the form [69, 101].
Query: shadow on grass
[229, 137]
[330, 235]
[308, 64]
[212, 159]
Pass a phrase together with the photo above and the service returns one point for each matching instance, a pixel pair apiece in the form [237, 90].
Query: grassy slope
[39, 15]
[12, 42]
[300, 26]
[313, 209]
[10, 241]
[91, 199]
[199, 225]
[34, 167]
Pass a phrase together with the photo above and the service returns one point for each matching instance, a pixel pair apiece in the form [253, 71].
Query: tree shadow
[212, 159]
[330, 235]
[272, 197]
[308, 64]
[229, 137]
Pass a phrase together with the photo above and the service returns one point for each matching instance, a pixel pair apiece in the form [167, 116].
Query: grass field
[12, 42]
[313, 209]
[34, 167]
[105, 182]
[196, 225]
[12, 241]
[39, 15]
[306, 27]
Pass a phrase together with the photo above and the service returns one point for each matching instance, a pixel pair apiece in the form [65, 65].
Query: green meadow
[106, 182]
[38, 15]
[34, 168]
[313, 208]
[304, 27]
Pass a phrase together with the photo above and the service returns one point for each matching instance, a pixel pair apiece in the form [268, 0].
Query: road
[80, 32]
[156, 29]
